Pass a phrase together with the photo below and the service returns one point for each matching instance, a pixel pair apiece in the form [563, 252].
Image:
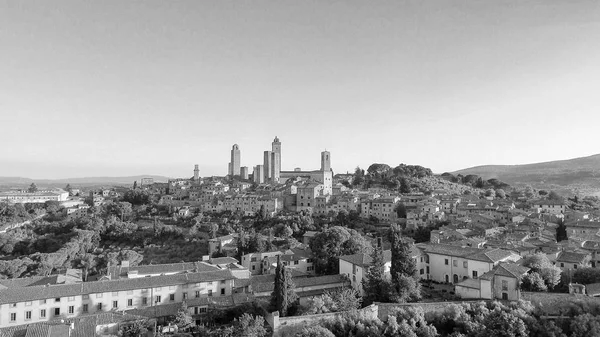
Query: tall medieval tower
[234, 169]
[276, 148]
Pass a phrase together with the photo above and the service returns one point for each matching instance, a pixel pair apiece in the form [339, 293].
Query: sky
[117, 88]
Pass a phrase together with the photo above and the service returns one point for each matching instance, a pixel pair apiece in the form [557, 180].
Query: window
[185, 296]
[27, 304]
[253, 259]
[56, 311]
[85, 297]
[427, 268]
[144, 300]
[446, 261]
[455, 263]
[311, 268]
[209, 292]
[253, 267]
[130, 302]
[71, 298]
[13, 316]
[562, 264]
[57, 299]
[158, 299]
[71, 309]
[504, 285]
[171, 297]
[27, 314]
[98, 295]
[465, 264]
[43, 313]
[85, 308]
[474, 273]
[296, 262]
[422, 271]
[222, 291]
[574, 266]
[197, 294]
[99, 306]
[42, 301]
[115, 304]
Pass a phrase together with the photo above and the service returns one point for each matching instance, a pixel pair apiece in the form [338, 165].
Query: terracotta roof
[15, 295]
[571, 257]
[469, 283]
[260, 286]
[486, 255]
[365, 260]
[223, 260]
[120, 271]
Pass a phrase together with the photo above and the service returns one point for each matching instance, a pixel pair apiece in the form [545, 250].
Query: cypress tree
[374, 284]
[402, 261]
[283, 296]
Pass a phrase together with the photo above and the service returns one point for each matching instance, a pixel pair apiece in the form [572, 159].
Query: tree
[250, 326]
[375, 285]
[402, 261]
[500, 193]
[555, 196]
[404, 185]
[490, 193]
[400, 210]
[183, 318]
[32, 188]
[533, 282]
[314, 331]
[135, 185]
[561, 231]
[586, 275]
[327, 246]
[136, 329]
[539, 263]
[585, 325]
[68, 188]
[283, 296]
[403, 269]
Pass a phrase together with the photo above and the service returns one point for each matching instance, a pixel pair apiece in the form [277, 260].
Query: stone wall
[385, 309]
[278, 323]
[556, 303]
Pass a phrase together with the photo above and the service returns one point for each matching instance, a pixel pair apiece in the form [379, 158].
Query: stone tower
[276, 148]
[196, 173]
[235, 160]
[267, 164]
[325, 161]
[275, 166]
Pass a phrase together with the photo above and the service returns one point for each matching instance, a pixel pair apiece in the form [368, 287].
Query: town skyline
[108, 88]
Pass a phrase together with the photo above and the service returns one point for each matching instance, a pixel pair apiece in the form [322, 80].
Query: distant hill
[75, 182]
[579, 174]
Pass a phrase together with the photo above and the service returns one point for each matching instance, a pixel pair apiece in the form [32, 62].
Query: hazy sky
[109, 88]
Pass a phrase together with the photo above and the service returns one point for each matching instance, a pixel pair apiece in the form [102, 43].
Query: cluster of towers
[270, 170]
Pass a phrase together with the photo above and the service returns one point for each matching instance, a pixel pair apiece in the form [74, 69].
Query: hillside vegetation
[580, 175]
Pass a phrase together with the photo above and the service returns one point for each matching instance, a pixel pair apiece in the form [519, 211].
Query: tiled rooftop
[23, 294]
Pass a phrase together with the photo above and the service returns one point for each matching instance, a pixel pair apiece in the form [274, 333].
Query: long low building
[25, 197]
[22, 304]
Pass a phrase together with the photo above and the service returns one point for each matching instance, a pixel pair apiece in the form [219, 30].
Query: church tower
[276, 148]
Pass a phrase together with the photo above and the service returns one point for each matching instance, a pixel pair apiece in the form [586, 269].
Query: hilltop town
[265, 251]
